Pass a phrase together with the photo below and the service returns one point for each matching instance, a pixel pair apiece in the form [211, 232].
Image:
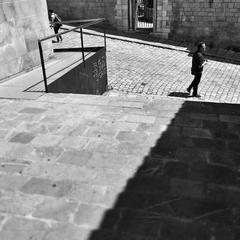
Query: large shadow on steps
[188, 187]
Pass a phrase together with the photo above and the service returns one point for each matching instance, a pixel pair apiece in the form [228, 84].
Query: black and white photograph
[119, 119]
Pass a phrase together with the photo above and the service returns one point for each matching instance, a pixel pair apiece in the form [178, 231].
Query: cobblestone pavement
[159, 70]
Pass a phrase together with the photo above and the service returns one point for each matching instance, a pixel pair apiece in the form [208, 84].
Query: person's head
[201, 47]
[51, 11]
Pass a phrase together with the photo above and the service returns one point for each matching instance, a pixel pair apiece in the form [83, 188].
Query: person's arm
[201, 61]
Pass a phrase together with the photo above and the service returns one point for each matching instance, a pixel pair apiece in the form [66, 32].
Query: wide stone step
[170, 205]
[198, 149]
[140, 224]
[188, 186]
[208, 173]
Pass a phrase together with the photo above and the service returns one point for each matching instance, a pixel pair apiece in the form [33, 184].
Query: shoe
[188, 90]
[196, 95]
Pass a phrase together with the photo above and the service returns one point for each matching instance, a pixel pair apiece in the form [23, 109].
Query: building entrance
[144, 15]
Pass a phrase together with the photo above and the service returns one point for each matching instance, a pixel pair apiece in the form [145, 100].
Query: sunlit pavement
[143, 166]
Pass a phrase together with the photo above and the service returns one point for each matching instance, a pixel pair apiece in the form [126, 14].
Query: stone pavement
[64, 160]
[80, 167]
[136, 166]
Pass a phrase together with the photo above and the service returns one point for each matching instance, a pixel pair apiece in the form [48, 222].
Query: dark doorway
[144, 15]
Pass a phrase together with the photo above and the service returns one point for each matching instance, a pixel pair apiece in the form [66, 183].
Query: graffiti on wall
[99, 68]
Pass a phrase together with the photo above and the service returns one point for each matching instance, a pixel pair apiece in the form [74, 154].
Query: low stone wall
[71, 10]
[22, 22]
[84, 9]
[215, 21]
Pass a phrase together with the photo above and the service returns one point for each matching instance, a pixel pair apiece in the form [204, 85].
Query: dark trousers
[194, 84]
[56, 29]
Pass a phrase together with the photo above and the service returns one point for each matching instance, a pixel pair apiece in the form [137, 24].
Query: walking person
[56, 23]
[198, 61]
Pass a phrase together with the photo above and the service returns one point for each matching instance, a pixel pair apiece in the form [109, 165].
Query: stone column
[162, 18]
[122, 15]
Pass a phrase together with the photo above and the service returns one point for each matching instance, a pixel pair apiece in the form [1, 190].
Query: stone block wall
[215, 21]
[162, 19]
[75, 9]
[84, 9]
[110, 11]
[122, 15]
[22, 23]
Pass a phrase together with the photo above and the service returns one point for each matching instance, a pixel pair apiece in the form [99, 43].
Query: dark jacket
[197, 61]
[55, 20]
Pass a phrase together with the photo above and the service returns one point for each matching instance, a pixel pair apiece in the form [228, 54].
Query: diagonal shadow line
[188, 185]
[32, 86]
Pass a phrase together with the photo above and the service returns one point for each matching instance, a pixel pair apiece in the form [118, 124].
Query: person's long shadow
[188, 186]
[179, 94]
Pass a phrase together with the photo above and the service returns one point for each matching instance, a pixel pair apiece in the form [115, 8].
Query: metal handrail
[83, 20]
[89, 23]
[93, 22]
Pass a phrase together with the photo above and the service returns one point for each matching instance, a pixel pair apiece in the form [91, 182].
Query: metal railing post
[81, 33]
[85, 24]
[105, 42]
[43, 66]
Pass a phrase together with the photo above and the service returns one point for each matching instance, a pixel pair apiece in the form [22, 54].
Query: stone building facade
[22, 23]
[84, 9]
[215, 21]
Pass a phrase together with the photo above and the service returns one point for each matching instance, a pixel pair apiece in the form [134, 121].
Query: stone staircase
[119, 168]
[188, 186]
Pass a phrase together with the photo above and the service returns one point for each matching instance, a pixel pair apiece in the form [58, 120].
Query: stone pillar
[122, 15]
[22, 23]
[162, 18]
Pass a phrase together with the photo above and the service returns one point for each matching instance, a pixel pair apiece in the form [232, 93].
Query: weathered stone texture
[216, 22]
[22, 22]
[84, 9]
